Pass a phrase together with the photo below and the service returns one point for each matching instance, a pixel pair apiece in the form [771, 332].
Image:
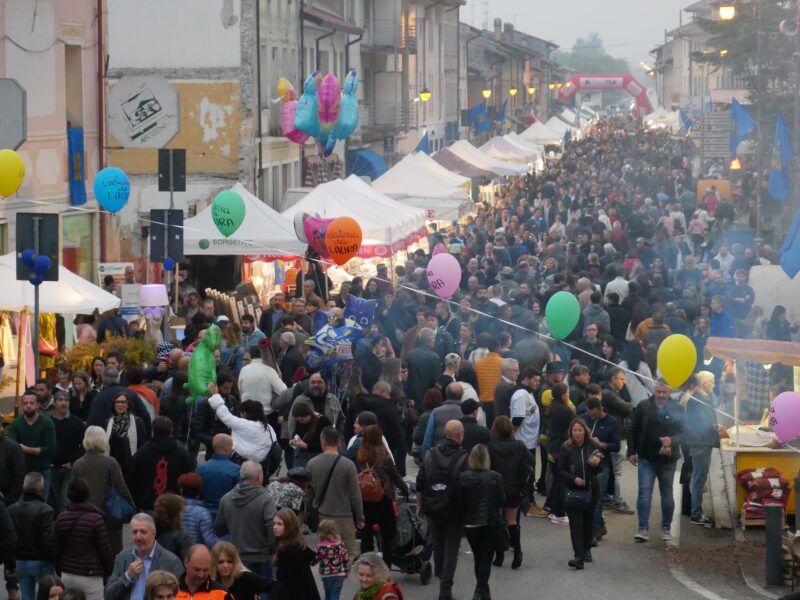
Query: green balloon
[228, 210]
[562, 314]
[204, 244]
[203, 364]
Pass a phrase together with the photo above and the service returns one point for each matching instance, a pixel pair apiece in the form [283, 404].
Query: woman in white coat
[639, 380]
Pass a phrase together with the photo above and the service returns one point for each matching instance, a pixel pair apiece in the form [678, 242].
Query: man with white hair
[133, 565]
[702, 436]
[288, 357]
[509, 373]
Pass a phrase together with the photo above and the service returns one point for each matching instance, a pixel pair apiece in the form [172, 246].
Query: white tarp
[539, 133]
[71, 294]
[419, 175]
[536, 150]
[469, 153]
[412, 214]
[500, 148]
[264, 232]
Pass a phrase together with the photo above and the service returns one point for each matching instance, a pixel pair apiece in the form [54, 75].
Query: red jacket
[82, 544]
[390, 591]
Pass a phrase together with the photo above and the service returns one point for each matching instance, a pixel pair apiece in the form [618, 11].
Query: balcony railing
[388, 34]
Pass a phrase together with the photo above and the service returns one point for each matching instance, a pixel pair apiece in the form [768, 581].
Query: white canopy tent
[500, 148]
[419, 175]
[539, 133]
[413, 214]
[561, 128]
[264, 232]
[464, 183]
[662, 118]
[536, 150]
[469, 153]
[71, 294]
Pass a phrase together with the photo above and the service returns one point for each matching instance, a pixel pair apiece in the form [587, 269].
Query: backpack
[370, 485]
[441, 478]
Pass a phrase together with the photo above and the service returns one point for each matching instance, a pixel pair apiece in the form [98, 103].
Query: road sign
[37, 232]
[691, 106]
[13, 114]
[711, 133]
[143, 112]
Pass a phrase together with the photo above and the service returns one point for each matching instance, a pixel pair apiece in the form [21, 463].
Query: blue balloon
[35, 279]
[306, 118]
[348, 109]
[28, 256]
[360, 310]
[41, 265]
[169, 264]
[112, 188]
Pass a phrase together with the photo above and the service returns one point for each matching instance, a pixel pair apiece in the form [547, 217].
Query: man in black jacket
[69, 440]
[12, 468]
[654, 438]
[380, 403]
[620, 318]
[618, 406]
[33, 522]
[474, 433]
[423, 365]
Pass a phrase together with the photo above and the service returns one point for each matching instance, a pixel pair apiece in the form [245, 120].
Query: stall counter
[787, 461]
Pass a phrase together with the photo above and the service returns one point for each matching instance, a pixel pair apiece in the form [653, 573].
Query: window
[77, 245]
[73, 85]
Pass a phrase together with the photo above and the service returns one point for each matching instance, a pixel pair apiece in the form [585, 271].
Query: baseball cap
[555, 366]
[223, 318]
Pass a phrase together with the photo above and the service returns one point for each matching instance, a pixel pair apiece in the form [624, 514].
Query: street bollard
[773, 539]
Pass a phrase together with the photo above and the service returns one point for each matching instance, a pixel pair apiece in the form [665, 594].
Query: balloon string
[279, 251]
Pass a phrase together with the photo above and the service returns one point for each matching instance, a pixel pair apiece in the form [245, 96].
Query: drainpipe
[316, 45]
[258, 102]
[346, 141]
[101, 116]
[457, 8]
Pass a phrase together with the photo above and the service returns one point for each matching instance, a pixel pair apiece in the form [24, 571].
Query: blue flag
[790, 251]
[501, 114]
[479, 117]
[741, 124]
[567, 137]
[686, 121]
[782, 154]
[424, 145]
[76, 166]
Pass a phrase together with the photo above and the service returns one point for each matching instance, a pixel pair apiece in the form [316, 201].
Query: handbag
[579, 498]
[118, 509]
[503, 536]
[272, 462]
[311, 507]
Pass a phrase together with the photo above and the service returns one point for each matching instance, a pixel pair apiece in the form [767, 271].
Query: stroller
[412, 547]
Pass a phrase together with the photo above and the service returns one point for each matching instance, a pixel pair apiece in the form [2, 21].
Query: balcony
[388, 35]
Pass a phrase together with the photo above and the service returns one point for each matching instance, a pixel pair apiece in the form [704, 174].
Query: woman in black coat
[125, 431]
[513, 461]
[559, 417]
[481, 498]
[294, 559]
[577, 467]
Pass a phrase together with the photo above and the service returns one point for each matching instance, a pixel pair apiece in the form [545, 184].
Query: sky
[629, 28]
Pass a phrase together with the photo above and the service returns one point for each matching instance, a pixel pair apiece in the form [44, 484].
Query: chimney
[498, 28]
[508, 31]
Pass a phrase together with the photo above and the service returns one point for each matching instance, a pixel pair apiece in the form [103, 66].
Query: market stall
[466, 151]
[501, 149]
[539, 133]
[752, 445]
[560, 127]
[446, 158]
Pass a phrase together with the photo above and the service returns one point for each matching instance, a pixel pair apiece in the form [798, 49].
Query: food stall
[752, 444]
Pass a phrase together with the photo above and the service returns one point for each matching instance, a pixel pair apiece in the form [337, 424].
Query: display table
[787, 461]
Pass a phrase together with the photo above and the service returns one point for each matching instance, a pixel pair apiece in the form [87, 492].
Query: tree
[590, 57]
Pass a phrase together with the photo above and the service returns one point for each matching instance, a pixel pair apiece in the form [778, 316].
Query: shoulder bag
[272, 462]
[579, 498]
[312, 507]
[117, 507]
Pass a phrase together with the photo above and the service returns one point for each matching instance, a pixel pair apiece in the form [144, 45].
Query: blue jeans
[59, 481]
[555, 495]
[261, 568]
[602, 484]
[648, 473]
[333, 586]
[28, 573]
[701, 458]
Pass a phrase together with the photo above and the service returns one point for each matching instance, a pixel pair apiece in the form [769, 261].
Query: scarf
[120, 426]
[147, 395]
[369, 593]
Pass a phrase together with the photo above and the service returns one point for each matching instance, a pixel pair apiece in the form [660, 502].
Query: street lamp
[512, 91]
[735, 165]
[552, 86]
[486, 93]
[727, 11]
[425, 94]
[531, 90]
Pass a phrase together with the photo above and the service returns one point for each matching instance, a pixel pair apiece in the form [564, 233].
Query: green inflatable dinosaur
[203, 364]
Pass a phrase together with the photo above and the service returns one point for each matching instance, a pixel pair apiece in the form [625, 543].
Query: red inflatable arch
[607, 82]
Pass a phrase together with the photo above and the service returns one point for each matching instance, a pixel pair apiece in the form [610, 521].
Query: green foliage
[590, 57]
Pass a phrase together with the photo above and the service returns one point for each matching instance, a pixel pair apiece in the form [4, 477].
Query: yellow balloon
[677, 358]
[12, 172]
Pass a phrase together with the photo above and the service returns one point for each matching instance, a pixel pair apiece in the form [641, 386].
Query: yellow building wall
[210, 124]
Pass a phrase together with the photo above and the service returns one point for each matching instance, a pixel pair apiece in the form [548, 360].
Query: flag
[782, 154]
[790, 251]
[686, 120]
[479, 117]
[501, 114]
[77, 177]
[424, 145]
[567, 137]
[741, 124]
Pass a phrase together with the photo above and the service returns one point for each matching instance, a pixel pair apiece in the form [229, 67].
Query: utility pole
[759, 116]
[796, 139]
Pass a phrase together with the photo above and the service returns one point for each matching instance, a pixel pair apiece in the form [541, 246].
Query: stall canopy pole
[21, 329]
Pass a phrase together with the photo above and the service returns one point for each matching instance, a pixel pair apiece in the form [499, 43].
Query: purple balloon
[785, 416]
[444, 275]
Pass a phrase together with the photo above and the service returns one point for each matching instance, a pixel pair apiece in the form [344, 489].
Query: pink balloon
[785, 416]
[288, 111]
[438, 249]
[329, 96]
[444, 274]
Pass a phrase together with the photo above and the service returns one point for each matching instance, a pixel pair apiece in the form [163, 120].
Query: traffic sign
[143, 112]
[711, 133]
[13, 114]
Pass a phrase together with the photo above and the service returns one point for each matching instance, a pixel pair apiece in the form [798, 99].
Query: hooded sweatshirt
[154, 470]
[246, 513]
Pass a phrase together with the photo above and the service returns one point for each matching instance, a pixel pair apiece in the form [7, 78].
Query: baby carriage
[412, 548]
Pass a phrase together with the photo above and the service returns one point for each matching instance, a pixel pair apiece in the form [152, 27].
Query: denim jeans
[701, 458]
[617, 460]
[261, 568]
[28, 573]
[602, 484]
[59, 481]
[333, 586]
[555, 495]
[648, 473]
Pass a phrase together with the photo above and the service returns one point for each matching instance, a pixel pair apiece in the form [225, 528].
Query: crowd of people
[499, 420]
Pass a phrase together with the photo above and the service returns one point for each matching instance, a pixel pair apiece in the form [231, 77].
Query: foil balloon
[348, 109]
[328, 99]
[306, 118]
[203, 364]
[288, 94]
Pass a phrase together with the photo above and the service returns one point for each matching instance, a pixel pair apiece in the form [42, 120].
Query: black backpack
[441, 480]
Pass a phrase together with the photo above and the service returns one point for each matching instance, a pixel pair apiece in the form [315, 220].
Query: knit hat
[163, 350]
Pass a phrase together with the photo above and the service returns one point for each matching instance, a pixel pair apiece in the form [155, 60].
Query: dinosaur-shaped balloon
[288, 94]
[348, 113]
[203, 364]
[328, 97]
[306, 118]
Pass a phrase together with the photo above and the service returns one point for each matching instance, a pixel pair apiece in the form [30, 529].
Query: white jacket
[259, 382]
[640, 388]
[250, 439]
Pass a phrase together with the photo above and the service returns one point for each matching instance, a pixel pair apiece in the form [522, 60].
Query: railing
[388, 33]
[389, 115]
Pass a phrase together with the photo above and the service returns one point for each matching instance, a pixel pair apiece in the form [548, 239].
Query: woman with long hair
[50, 588]
[375, 579]
[372, 456]
[560, 415]
[294, 557]
[466, 340]
[308, 426]
[231, 353]
[639, 381]
[81, 395]
[98, 364]
[608, 349]
[175, 408]
[512, 460]
[124, 430]
[778, 327]
[481, 499]
[168, 516]
[227, 569]
[252, 434]
[577, 466]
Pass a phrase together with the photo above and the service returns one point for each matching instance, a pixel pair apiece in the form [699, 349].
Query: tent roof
[542, 134]
[466, 151]
[426, 162]
[558, 125]
[71, 294]
[439, 209]
[450, 161]
[763, 351]
[525, 145]
[263, 232]
[413, 176]
[415, 215]
[500, 148]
